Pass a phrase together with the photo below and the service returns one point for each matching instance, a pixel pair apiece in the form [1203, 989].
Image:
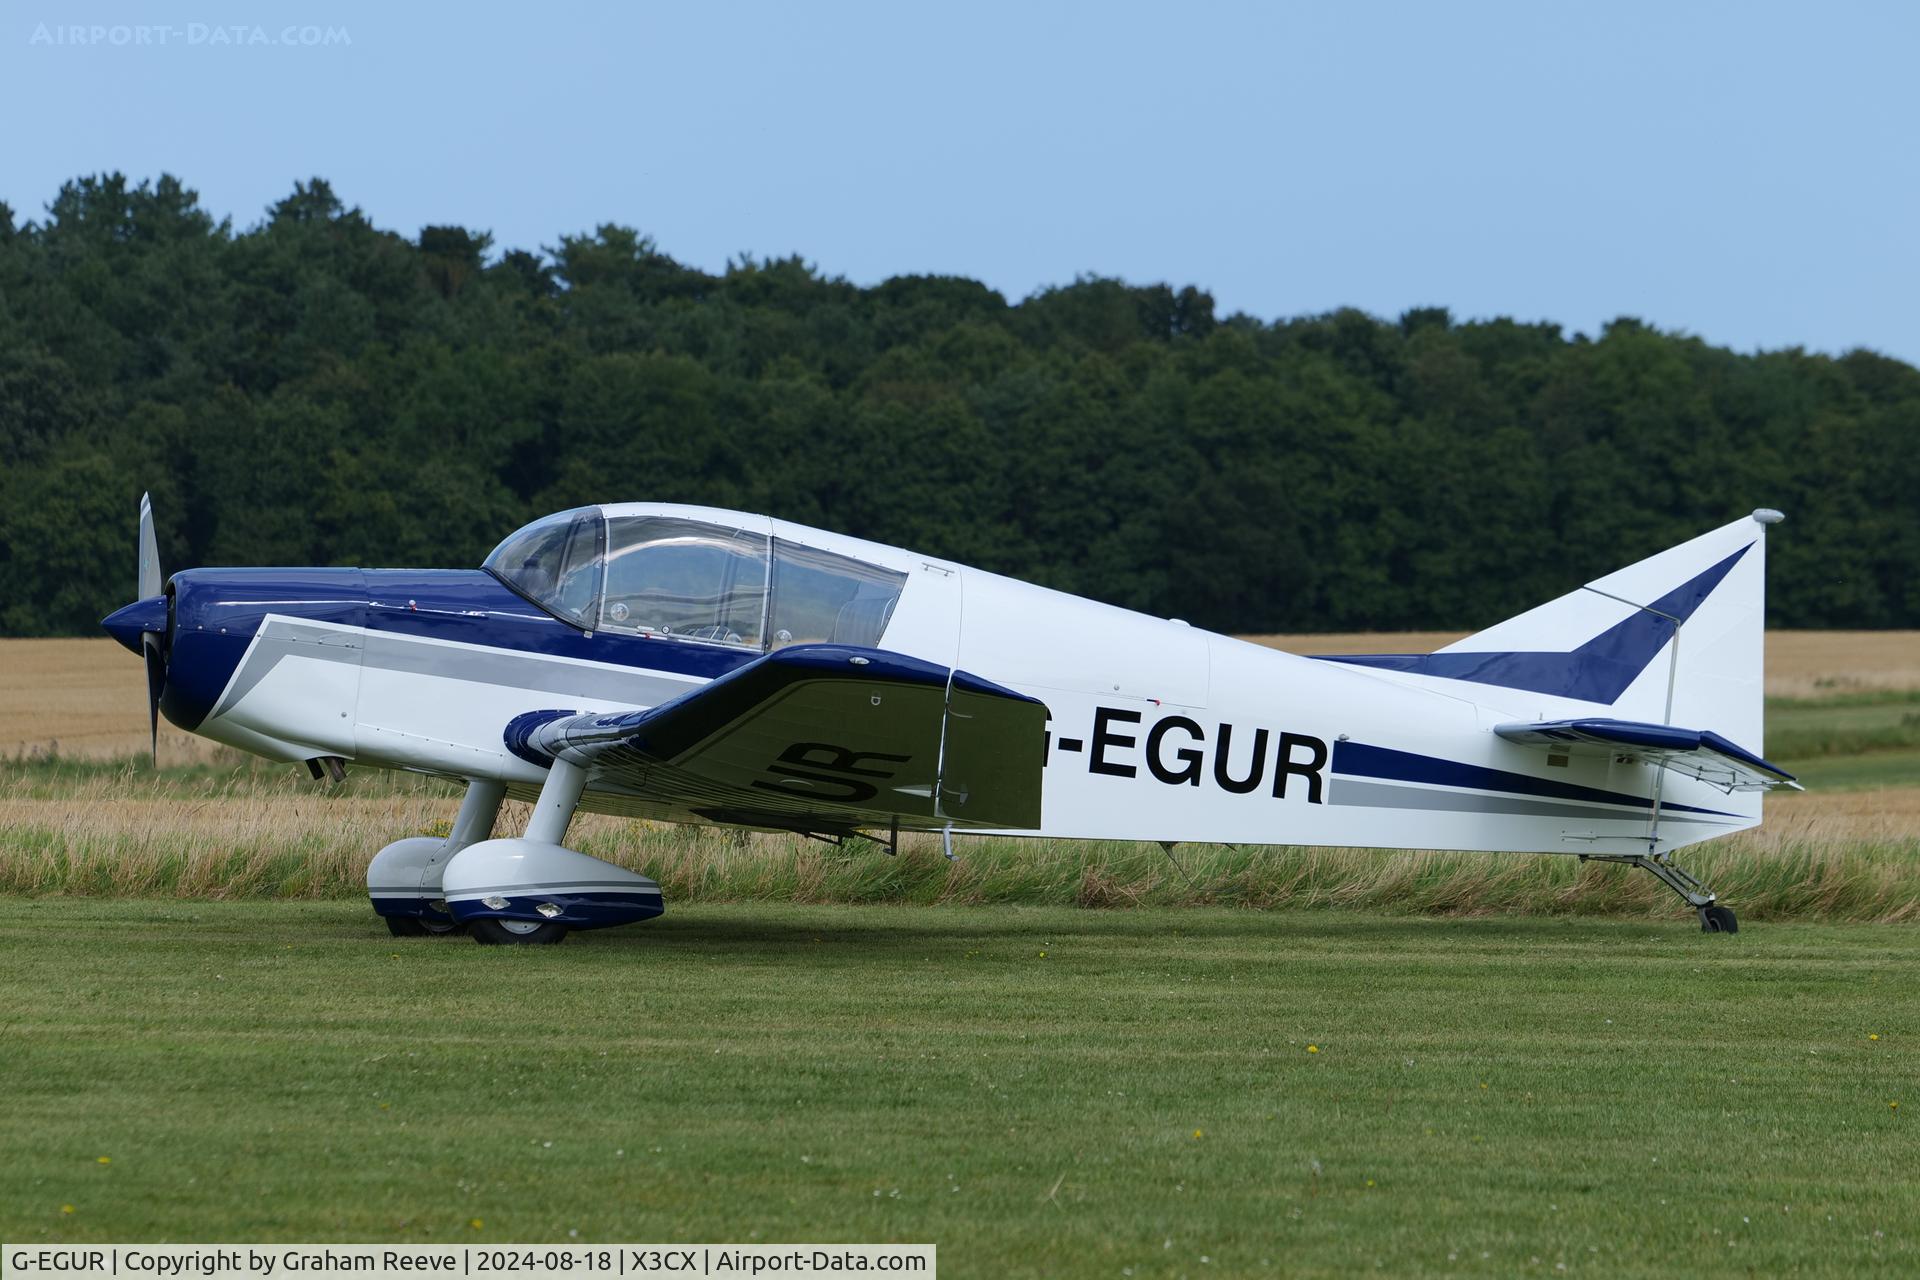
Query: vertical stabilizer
[1676, 638]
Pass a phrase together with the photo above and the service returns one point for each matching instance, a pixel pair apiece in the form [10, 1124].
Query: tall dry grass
[245, 832]
[216, 825]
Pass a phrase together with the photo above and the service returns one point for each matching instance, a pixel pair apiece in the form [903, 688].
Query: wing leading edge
[820, 738]
[1696, 753]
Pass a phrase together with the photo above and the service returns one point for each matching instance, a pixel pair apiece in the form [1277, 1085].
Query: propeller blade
[151, 579]
[152, 643]
[156, 681]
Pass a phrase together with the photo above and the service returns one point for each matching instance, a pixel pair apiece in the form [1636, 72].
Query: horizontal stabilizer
[821, 738]
[1696, 753]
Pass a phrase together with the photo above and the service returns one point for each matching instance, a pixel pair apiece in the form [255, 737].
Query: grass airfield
[1413, 1062]
[1042, 1091]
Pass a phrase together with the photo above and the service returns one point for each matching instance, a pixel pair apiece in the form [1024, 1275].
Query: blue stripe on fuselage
[1363, 760]
[218, 611]
[442, 604]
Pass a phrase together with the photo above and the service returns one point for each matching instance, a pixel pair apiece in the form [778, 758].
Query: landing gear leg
[478, 810]
[1714, 918]
[404, 878]
[552, 813]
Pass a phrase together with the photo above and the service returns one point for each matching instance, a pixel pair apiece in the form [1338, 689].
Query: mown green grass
[1855, 724]
[1868, 772]
[1039, 1091]
[1848, 742]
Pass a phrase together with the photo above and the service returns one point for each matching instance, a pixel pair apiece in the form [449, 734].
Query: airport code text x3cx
[694, 665]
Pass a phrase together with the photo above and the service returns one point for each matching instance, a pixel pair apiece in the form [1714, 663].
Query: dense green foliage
[316, 390]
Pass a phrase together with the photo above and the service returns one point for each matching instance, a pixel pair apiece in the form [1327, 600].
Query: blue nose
[126, 624]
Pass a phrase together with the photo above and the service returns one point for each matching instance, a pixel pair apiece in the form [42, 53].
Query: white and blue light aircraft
[694, 665]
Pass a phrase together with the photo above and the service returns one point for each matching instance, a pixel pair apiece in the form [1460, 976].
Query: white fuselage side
[1158, 731]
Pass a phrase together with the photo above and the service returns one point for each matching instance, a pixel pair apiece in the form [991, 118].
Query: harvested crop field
[83, 697]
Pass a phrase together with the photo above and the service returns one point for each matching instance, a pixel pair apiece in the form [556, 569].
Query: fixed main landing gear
[403, 880]
[524, 891]
[532, 890]
[1714, 918]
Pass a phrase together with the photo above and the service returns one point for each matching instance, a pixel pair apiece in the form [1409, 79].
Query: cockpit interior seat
[862, 619]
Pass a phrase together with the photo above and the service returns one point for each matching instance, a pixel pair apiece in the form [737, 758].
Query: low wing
[1696, 753]
[821, 738]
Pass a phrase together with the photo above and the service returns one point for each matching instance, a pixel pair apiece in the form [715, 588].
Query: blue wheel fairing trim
[1598, 671]
[1362, 760]
[595, 909]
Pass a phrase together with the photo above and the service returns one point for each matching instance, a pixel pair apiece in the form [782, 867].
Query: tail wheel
[1718, 919]
[524, 933]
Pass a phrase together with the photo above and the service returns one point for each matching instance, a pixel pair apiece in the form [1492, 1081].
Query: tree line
[313, 389]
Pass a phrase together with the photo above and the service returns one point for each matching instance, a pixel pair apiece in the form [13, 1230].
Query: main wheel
[419, 927]
[525, 933]
[1718, 919]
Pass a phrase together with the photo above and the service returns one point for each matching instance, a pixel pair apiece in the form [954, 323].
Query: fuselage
[1157, 730]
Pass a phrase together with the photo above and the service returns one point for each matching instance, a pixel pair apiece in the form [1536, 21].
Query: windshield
[555, 562]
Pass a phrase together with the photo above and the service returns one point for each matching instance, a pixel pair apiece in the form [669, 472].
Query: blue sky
[1745, 172]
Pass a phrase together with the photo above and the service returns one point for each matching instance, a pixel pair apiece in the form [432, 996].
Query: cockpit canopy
[687, 579]
[555, 562]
